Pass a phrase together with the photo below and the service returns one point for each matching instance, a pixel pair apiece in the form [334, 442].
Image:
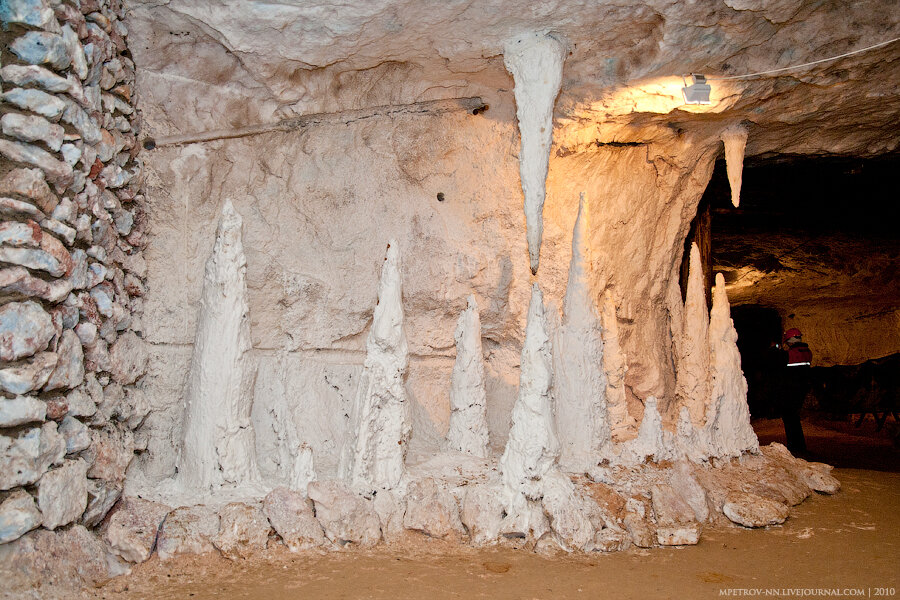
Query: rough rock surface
[62, 494]
[431, 510]
[188, 530]
[751, 510]
[243, 529]
[132, 529]
[18, 516]
[291, 516]
[346, 517]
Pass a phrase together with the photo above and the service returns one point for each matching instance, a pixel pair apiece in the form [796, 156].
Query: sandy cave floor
[850, 540]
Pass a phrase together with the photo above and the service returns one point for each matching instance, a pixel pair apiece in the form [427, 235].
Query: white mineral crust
[532, 447]
[468, 430]
[535, 61]
[735, 140]
[218, 445]
[729, 429]
[380, 430]
[579, 383]
[693, 362]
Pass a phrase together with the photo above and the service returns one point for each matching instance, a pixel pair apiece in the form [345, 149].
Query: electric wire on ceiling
[808, 64]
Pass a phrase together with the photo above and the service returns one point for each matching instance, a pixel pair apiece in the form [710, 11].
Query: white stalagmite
[380, 430]
[535, 61]
[693, 363]
[652, 444]
[579, 383]
[735, 140]
[468, 416]
[218, 445]
[728, 427]
[615, 366]
[532, 447]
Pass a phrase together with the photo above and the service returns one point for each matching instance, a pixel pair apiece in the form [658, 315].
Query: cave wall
[318, 208]
[72, 278]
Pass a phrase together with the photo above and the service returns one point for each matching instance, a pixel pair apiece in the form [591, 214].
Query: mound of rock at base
[650, 505]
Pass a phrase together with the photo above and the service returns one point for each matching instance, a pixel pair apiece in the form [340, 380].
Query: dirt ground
[847, 545]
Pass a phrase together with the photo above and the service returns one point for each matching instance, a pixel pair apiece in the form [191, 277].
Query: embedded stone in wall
[127, 358]
[431, 510]
[188, 530]
[132, 529]
[69, 371]
[18, 516]
[25, 328]
[21, 410]
[751, 510]
[62, 494]
[28, 455]
[243, 529]
[291, 515]
[346, 517]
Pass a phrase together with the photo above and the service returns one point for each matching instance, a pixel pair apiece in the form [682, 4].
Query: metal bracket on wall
[474, 105]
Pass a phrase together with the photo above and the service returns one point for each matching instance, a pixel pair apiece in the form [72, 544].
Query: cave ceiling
[622, 77]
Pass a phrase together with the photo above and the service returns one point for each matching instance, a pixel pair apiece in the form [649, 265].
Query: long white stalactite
[380, 430]
[535, 61]
[218, 445]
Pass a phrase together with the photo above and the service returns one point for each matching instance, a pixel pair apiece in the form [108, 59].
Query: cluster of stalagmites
[71, 270]
[562, 482]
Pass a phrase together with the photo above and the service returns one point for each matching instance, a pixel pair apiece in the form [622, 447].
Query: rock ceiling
[623, 69]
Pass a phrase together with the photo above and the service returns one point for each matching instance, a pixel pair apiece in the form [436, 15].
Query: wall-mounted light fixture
[698, 91]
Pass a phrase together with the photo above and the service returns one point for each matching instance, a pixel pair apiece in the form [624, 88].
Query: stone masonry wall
[71, 269]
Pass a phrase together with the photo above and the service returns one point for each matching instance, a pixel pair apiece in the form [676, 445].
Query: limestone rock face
[24, 458]
[346, 517]
[482, 513]
[291, 515]
[379, 424]
[22, 409]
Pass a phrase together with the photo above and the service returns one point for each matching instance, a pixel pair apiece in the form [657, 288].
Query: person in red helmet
[795, 384]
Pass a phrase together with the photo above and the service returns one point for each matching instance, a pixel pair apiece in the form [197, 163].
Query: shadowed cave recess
[336, 275]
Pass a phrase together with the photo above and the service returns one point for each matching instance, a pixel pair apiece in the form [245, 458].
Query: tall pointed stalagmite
[579, 382]
[728, 428]
[375, 453]
[693, 362]
[218, 443]
[468, 419]
[532, 447]
[535, 61]
[735, 140]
